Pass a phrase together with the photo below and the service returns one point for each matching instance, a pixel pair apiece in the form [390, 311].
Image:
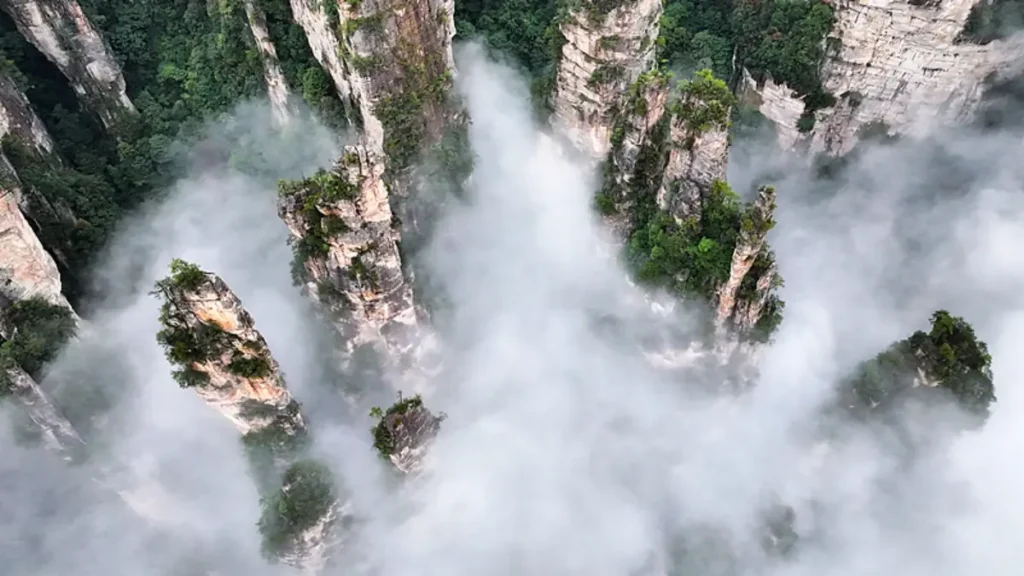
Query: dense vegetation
[37, 332]
[949, 357]
[306, 496]
[185, 61]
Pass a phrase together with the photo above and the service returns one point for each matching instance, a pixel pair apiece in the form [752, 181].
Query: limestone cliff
[636, 138]
[26, 269]
[899, 62]
[18, 119]
[735, 308]
[212, 342]
[392, 61]
[62, 32]
[346, 251]
[607, 48]
[57, 432]
[699, 150]
[404, 433]
[277, 87]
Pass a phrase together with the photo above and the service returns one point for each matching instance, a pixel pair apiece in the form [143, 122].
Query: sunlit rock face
[62, 32]
[405, 432]
[895, 62]
[604, 53]
[216, 350]
[26, 269]
[277, 87]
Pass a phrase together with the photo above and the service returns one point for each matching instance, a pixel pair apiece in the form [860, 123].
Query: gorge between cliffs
[364, 287]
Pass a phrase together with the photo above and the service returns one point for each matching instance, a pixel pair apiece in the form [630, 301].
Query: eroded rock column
[277, 87]
[404, 433]
[62, 32]
[215, 349]
[347, 255]
[699, 150]
[607, 47]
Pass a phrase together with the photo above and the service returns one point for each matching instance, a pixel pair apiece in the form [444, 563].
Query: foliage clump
[305, 498]
[949, 356]
[311, 194]
[406, 423]
[38, 331]
[704, 104]
[184, 345]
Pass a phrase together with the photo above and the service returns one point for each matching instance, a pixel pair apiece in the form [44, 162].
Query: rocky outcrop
[899, 62]
[699, 151]
[635, 137]
[606, 50]
[391, 60]
[735, 310]
[277, 87]
[212, 342]
[62, 32]
[347, 247]
[404, 433]
[57, 432]
[18, 119]
[26, 269]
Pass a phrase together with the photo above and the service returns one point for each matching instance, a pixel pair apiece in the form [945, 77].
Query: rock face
[216, 350]
[392, 60]
[26, 269]
[18, 119]
[277, 87]
[346, 244]
[58, 433]
[733, 310]
[405, 432]
[62, 32]
[900, 63]
[699, 151]
[604, 53]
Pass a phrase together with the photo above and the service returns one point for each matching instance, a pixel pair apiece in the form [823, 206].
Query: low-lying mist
[565, 451]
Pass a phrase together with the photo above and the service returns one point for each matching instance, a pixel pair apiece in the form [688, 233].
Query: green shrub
[40, 331]
[306, 496]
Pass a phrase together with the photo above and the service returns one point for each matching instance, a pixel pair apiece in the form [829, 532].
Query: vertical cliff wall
[607, 48]
[899, 62]
[277, 87]
[26, 269]
[57, 432]
[346, 254]
[61, 31]
[699, 151]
